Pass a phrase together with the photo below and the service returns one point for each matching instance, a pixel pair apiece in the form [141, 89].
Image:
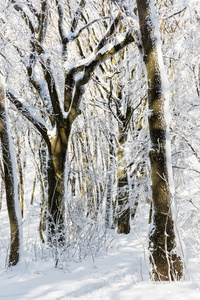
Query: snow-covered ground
[119, 273]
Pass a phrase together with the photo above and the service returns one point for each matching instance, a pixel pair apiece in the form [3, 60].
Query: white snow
[120, 273]
[52, 132]
[33, 112]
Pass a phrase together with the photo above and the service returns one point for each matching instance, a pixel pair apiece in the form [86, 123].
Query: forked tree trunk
[166, 263]
[10, 186]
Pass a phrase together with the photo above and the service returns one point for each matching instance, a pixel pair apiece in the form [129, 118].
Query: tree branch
[188, 143]
[60, 22]
[52, 89]
[109, 32]
[76, 35]
[28, 115]
[77, 15]
[101, 56]
[27, 20]
[43, 20]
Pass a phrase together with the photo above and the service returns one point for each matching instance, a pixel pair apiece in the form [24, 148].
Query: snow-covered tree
[55, 80]
[166, 261]
[10, 180]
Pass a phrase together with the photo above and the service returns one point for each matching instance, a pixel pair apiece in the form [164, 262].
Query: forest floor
[120, 273]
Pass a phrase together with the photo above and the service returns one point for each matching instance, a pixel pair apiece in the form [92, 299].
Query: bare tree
[61, 101]
[166, 262]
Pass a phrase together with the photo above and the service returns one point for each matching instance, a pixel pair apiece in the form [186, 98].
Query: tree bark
[166, 263]
[10, 187]
[56, 187]
[123, 211]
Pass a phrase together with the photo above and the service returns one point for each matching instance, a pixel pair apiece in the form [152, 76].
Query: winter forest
[100, 149]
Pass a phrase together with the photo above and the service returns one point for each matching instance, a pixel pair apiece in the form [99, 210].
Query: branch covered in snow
[18, 7]
[29, 113]
[49, 76]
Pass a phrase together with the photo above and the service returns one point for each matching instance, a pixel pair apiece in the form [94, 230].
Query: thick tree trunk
[166, 263]
[56, 186]
[11, 188]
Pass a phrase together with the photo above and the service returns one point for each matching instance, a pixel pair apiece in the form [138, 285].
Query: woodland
[99, 121]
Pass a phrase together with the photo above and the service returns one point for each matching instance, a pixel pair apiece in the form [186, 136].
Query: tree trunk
[110, 170]
[123, 205]
[10, 186]
[123, 215]
[166, 263]
[56, 186]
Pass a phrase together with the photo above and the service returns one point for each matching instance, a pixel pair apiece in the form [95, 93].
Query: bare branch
[177, 13]
[27, 20]
[49, 77]
[186, 169]
[77, 15]
[60, 22]
[188, 143]
[76, 35]
[110, 31]
[27, 114]
[43, 20]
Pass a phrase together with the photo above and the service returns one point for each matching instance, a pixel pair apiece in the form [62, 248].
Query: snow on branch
[18, 7]
[49, 77]
[105, 53]
[86, 70]
[28, 112]
[75, 35]
[42, 20]
[77, 15]
[109, 32]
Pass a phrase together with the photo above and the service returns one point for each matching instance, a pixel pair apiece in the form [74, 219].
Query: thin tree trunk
[123, 205]
[123, 214]
[20, 171]
[166, 263]
[10, 186]
[1, 183]
[110, 171]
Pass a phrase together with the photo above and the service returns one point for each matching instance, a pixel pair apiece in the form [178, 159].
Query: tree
[60, 102]
[10, 178]
[166, 262]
